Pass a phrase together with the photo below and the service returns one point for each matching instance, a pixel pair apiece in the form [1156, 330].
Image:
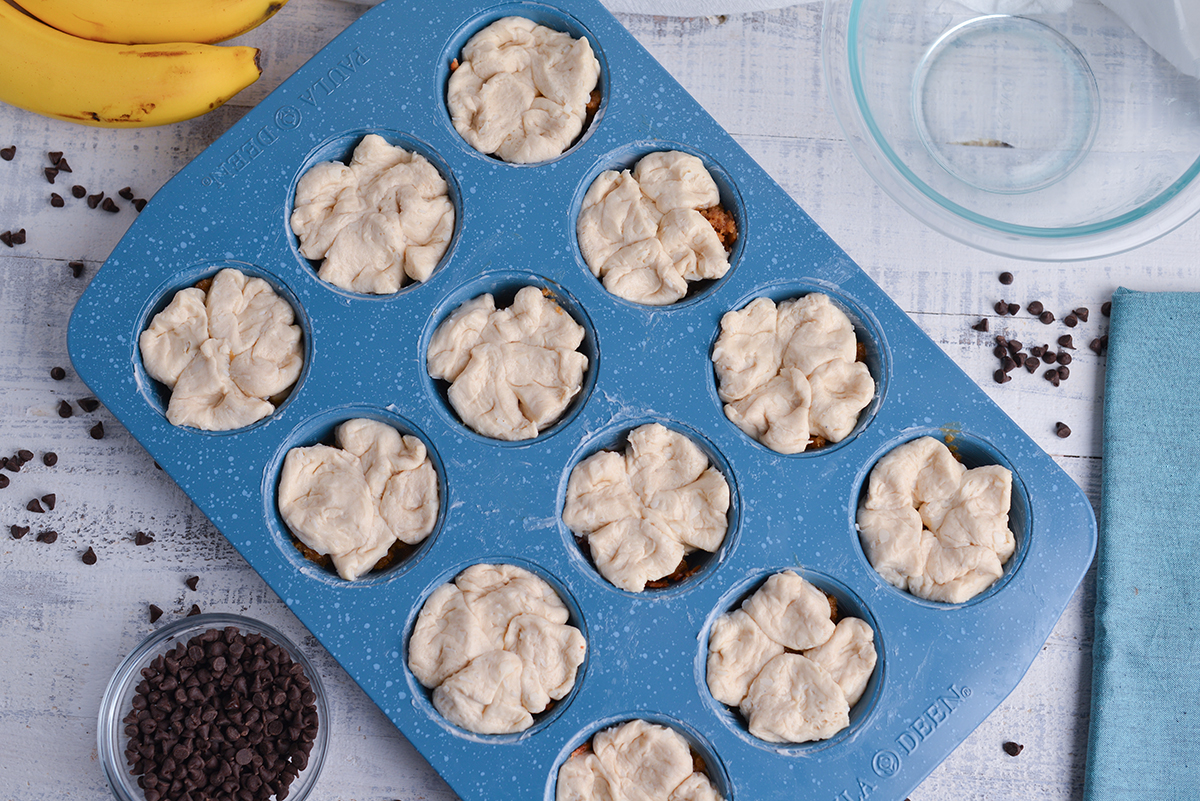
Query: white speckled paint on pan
[942, 669]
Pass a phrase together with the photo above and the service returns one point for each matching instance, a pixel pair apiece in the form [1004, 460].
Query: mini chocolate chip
[1064, 357]
[195, 610]
[6, 238]
[139, 204]
[126, 193]
[4, 481]
[1001, 377]
[8, 152]
[1049, 356]
[109, 205]
[18, 237]
[1012, 749]
[77, 268]
[94, 200]
[89, 556]
[97, 431]
[1001, 308]
[1062, 429]
[1070, 321]
[51, 174]
[78, 191]
[1065, 341]
[88, 404]
[1106, 308]
[35, 506]
[1082, 313]
[1006, 278]
[1046, 317]
[1064, 372]
[999, 351]
[191, 582]
[50, 499]
[48, 537]
[18, 531]
[1035, 308]
[63, 166]
[64, 409]
[56, 200]
[142, 538]
[982, 325]
[55, 156]
[155, 613]
[50, 458]
[58, 373]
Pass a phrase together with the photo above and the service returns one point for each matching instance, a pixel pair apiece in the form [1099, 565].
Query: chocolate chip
[1065, 341]
[4, 481]
[139, 204]
[64, 409]
[63, 166]
[50, 458]
[89, 556]
[1094, 345]
[142, 538]
[48, 537]
[1064, 357]
[1037, 351]
[97, 431]
[1070, 321]
[1106, 308]
[8, 153]
[50, 499]
[1031, 365]
[1062, 429]
[109, 205]
[999, 351]
[1082, 313]
[51, 174]
[191, 582]
[1001, 377]
[78, 191]
[1052, 377]
[1035, 308]
[35, 506]
[56, 200]
[6, 238]
[1046, 317]
[126, 193]
[1013, 308]
[12, 465]
[195, 610]
[25, 455]
[982, 325]
[1012, 749]
[18, 237]
[1014, 345]
[1001, 308]
[1006, 278]
[89, 405]
[1019, 358]
[155, 613]
[1008, 364]
[77, 268]
[18, 531]
[1064, 372]
[1049, 356]
[55, 157]
[58, 373]
[94, 200]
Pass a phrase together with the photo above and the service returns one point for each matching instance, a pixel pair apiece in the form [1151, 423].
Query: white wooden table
[64, 626]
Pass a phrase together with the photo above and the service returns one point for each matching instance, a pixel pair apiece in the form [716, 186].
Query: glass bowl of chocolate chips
[214, 706]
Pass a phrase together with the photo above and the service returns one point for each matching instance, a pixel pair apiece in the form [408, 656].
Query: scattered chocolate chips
[982, 325]
[1001, 377]
[51, 174]
[1046, 317]
[139, 204]
[155, 613]
[1106, 308]
[64, 409]
[1006, 278]
[77, 268]
[109, 205]
[89, 405]
[191, 582]
[195, 610]
[58, 373]
[1035, 308]
[142, 538]
[1082, 313]
[126, 193]
[1062, 429]
[94, 200]
[35, 506]
[97, 431]
[8, 152]
[1064, 357]
[1012, 749]
[48, 537]
[89, 556]
[18, 531]
[50, 458]
[56, 200]
[50, 499]
[78, 191]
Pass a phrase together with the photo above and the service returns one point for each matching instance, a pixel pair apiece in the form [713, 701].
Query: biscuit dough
[355, 501]
[644, 510]
[788, 373]
[495, 647]
[224, 352]
[375, 225]
[521, 90]
[932, 527]
[783, 663]
[641, 231]
[512, 371]
[634, 761]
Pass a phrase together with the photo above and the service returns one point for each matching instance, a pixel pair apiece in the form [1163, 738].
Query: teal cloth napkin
[1144, 741]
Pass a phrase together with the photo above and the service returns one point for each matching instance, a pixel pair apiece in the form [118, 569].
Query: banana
[153, 21]
[115, 85]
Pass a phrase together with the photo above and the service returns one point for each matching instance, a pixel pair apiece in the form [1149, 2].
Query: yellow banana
[153, 21]
[115, 85]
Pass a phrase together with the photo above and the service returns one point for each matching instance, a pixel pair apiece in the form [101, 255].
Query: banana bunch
[127, 63]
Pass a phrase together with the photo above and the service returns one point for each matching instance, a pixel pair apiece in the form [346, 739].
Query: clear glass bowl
[119, 694]
[1051, 136]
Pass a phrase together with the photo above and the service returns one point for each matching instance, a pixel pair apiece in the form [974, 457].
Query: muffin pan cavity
[942, 668]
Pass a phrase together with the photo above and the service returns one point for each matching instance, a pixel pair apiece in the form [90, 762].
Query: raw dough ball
[932, 527]
[788, 373]
[521, 90]
[638, 761]
[787, 696]
[642, 233]
[224, 352]
[513, 371]
[381, 222]
[496, 648]
[643, 511]
[355, 501]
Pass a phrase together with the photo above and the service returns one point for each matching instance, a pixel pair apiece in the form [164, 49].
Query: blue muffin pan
[942, 668]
